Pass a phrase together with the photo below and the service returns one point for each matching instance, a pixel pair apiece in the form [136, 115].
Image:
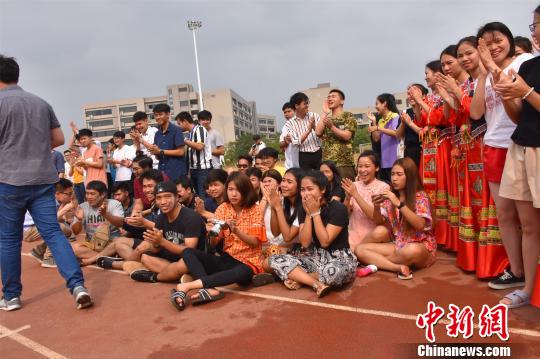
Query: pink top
[423, 209]
[359, 223]
[94, 174]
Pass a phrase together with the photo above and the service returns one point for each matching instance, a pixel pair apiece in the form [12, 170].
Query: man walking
[29, 130]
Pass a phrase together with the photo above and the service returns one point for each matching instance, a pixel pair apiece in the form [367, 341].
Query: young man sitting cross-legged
[177, 228]
[130, 248]
[100, 218]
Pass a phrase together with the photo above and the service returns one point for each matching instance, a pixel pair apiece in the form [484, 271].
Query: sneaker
[9, 305]
[143, 275]
[34, 253]
[48, 263]
[507, 280]
[261, 279]
[82, 297]
[107, 262]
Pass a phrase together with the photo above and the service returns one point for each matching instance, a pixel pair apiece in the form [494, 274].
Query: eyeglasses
[533, 26]
[242, 166]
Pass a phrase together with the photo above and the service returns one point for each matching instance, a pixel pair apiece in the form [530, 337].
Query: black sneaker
[106, 262]
[143, 275]
[507, 280]
[261, 279]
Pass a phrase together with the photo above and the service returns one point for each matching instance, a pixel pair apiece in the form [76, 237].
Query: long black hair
[297, 203]
[336, 182]
[390, 101]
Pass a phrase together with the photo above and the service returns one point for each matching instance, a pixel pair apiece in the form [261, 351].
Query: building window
[183, 103]
[128, 109]
[102, 123]
[193, 102]
[262, 121]
[399, 101]
[194, 112]
[182, 89]
[101, 112]
[271, 129]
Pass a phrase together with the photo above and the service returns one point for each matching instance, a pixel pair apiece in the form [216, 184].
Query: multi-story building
[232, 115]
[317, 95]
[266, 125]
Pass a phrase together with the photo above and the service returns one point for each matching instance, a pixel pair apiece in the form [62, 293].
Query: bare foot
[213, 292]
[292, 284]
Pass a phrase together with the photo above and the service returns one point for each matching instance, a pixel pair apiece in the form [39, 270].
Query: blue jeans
[39, 201]
[198, 177]
[80, 192]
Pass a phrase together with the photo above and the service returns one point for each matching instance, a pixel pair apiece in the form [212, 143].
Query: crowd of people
[457, 170]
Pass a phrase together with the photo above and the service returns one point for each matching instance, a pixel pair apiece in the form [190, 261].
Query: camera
[217, 227]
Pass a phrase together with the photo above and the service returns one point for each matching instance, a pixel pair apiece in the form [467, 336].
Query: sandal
[321, 289]
[206, 297]
[177, 294]
[403, 275]
[261, 279]
[292, 284]
[518, 298]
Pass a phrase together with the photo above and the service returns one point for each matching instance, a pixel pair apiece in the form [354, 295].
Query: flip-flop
[206, 297]
[321, 292]
[178, 294]
[518, 298]
[261, 279]
[402, 276]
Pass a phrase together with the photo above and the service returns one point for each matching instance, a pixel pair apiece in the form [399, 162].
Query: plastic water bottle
[365, 271]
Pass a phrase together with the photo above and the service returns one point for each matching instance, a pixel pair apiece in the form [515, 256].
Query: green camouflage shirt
[336, 149]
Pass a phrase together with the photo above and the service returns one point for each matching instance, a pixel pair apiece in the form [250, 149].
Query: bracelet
[528, 93]
[315, 214]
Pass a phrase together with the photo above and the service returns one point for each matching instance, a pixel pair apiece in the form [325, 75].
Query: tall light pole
[192, 26]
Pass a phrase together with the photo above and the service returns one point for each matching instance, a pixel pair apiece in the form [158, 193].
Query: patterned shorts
[335, 268]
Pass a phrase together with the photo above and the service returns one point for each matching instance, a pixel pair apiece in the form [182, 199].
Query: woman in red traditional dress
[435, 137]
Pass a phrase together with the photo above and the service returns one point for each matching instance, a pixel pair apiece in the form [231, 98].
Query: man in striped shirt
[199, 151]
[302, 132]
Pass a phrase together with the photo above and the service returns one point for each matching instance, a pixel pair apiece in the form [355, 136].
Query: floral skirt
[335, 268]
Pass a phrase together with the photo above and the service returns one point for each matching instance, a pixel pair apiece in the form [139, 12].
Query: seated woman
[405, 218]
[270, 184]
[359, 194]
[243, 234]
[329, 169]
[323, 227]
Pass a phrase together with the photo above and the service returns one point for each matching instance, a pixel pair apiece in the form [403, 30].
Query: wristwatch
[401, 205]
[162, 154]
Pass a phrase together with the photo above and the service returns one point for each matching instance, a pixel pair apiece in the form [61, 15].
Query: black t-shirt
[332, 213]
[527, 132]
[338, 191]
[188, 224]
[411, 138]
[210, 204]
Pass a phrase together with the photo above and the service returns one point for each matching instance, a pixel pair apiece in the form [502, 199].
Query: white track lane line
[10, 332]
[29, 343]
[527, 332]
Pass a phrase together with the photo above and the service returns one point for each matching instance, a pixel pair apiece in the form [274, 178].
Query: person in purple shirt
[385, 132]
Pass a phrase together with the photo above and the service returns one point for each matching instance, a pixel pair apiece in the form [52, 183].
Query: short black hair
[298, 98]
[185, 182]
[98, 186]
[523, 43]
[287, 105]
[144, 161]
[245, 157]
[122, 186]
[139, 116]
[119, 134]
[256, 137]
[491, 27]
[67, 151]
[9, 70]
[338, 91]
[268, 152]
[152, 174]
[254, 171]
[85, 132]
[471, 40]
[161, 107]
[422, 89]
[184, 116]
[217, 174]
[206, 115]
[63, 184]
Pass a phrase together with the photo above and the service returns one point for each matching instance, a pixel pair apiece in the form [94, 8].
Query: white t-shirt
[291, 152]
[149, 137]
[216, 140]
[499, 126]
[277, 240]
[125, 153]
[67, 167]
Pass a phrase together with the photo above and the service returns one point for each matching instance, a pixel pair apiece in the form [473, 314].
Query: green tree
[243, 144]
[361, 136]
